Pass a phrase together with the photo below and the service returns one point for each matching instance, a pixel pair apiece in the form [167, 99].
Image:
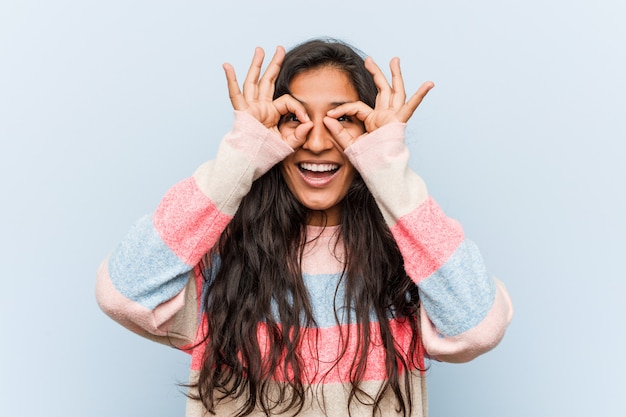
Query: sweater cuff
[381, 157]
[247, 152]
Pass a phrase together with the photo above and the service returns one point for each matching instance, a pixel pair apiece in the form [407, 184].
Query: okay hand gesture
[391, 104]
[257, 98]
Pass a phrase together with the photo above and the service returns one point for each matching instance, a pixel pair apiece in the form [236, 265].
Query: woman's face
[318, 173]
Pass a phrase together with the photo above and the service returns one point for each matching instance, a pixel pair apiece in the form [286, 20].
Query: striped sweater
[152, 285]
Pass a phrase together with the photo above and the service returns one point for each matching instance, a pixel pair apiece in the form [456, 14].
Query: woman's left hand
[391, 104]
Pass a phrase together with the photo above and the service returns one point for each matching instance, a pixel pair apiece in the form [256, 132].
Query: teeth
[319, 167]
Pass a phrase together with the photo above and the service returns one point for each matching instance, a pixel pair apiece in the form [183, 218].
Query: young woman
[305, 268]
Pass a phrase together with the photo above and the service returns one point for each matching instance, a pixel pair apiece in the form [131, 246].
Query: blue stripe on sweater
[323, 291]
[458, 296]
[325, 297]
[143, 262]
[327, 294]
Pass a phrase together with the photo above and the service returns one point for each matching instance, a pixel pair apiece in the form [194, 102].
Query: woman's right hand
[257, 98]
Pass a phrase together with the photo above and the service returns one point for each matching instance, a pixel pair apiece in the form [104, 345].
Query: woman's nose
[319, 138]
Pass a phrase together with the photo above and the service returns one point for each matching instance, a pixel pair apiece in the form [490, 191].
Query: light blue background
[105, 104]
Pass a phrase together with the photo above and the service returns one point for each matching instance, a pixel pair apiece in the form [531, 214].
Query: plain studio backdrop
[105, 105]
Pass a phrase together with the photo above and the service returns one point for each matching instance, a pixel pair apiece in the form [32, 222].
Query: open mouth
[318, 170]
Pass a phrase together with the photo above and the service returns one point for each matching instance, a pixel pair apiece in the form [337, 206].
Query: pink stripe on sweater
[188, 221]
[320, 349]
[427, 238]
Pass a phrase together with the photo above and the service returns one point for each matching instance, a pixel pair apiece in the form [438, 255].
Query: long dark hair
[254, 276]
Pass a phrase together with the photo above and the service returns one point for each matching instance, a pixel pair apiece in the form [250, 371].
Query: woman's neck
[324, 218]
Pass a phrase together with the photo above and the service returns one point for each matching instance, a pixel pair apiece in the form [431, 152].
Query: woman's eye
[291, 118]
[343, 118]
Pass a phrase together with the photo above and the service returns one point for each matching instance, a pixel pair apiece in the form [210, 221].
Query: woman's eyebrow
[332, 103]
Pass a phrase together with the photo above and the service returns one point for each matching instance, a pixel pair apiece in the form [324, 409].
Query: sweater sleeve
[149, 283]
[465, 310]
